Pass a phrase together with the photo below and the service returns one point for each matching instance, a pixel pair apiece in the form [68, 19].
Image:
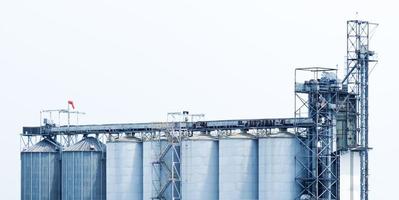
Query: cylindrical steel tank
[200, 168]
[277, 166]
[238, 167]
[41, 171]
[155, 176]
[83, 170]
[125, 169]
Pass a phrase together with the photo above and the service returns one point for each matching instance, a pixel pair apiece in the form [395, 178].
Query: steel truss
[316, 99]
[358, 59]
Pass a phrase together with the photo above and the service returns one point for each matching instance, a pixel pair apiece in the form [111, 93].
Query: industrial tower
[339, 111]
[359, 57]
[317, 99]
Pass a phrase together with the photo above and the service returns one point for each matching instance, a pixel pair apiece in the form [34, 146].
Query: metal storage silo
[125, 169]
[155, 176]
[277, 166]
[41, 171]
[83, 170]
[200, 168]
[238, 167]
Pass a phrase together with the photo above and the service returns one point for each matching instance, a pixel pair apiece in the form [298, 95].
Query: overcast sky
[134, 61]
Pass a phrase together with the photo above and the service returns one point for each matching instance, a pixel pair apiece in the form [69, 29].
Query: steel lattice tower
[357, 79]
[316, 99]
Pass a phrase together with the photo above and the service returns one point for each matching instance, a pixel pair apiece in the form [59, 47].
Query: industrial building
[189, 158]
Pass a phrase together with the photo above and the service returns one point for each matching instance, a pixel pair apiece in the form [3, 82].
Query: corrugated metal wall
[226, 168]
[83, 171]
[41, 172]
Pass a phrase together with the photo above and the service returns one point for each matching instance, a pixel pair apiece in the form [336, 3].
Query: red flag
[72, 104]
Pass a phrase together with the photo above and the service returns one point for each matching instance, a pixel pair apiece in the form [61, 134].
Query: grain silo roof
[87, 144]
[45, 145]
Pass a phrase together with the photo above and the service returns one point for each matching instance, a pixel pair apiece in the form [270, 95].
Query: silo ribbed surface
[83, 171]
[41, 172]
[277, 166]
[154, 176]
[238, 168]
[125, 169]
[200, 168]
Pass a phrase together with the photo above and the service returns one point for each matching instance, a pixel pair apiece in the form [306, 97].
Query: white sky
[133, 61]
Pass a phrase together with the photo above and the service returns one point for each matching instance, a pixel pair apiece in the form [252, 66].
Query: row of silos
[240, 167]
[77, 172]
[234, 167]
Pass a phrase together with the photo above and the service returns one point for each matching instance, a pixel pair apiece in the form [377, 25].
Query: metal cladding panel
[200, 169]
[124, 170]
[238, 169]
[154, 176]
[83, 175]
[40, 176]
[277, 167]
